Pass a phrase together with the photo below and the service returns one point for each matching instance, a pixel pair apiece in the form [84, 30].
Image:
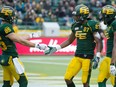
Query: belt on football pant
[87, 56]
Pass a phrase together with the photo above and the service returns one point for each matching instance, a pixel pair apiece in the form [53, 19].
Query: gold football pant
[104, 71]
[75, 65]
[9, 73]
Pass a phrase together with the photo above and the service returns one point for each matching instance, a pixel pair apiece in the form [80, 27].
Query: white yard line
[51, 63]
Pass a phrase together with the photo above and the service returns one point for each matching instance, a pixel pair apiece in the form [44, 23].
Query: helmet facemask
[108, 14]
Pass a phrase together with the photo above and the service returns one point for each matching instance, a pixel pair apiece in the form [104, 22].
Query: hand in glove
[50, 50]
[41, 46]
[96, 60]
[113, 69]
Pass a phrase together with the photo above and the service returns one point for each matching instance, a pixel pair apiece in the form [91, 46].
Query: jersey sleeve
[94, 26]
[7, 30]
[73, 27]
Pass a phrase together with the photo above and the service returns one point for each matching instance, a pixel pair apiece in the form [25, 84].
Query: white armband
[98, 54]
[97, 35]
[58, 47]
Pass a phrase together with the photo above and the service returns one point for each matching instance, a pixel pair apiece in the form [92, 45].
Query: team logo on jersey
[76, 28]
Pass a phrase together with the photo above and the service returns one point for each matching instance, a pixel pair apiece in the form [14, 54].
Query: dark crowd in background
[33, 12]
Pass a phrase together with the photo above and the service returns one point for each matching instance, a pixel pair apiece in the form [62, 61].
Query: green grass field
[50, 68]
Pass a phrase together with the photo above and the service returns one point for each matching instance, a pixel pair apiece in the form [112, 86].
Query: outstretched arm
[62, 45]
[16, 38]
[67, 42]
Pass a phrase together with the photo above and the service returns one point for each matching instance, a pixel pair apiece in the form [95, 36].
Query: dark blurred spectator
[9, 2]
[20, 6]
[27, 20]
[1, 3]
[39, 19]
[62, 12]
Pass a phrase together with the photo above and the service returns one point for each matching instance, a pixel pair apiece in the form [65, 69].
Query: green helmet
[7, 14]
[82, 12]
[108, 13]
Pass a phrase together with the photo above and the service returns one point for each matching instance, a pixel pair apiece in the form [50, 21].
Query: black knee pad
[6, 84]
[23, 82]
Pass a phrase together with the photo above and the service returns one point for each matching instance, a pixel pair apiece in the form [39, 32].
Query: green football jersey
[84, 36]
[8, 46]
[110, 37]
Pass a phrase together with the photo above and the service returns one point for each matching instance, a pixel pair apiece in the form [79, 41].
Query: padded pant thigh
[86, 70]
[73, 68]
[104, 70]
[7, 75]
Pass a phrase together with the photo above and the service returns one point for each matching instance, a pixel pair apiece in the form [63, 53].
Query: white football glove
[96, 60]
[50, 50]
[113, 69]
[41, 46]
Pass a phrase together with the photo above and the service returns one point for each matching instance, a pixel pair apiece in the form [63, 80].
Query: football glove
[50, 50]
[96, 60]
[112, 69]
[41, 46]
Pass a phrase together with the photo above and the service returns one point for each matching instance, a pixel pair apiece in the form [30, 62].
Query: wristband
[58, 47]
[36, 45]
[98, 54]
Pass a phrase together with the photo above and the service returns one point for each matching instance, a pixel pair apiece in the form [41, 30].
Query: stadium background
[31, 15]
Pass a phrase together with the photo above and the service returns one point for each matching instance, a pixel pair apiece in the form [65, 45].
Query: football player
[85, 32]
[107, 66]
[9, 60]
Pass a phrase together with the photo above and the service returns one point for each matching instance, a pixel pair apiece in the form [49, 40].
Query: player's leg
[103, 72]
[21, 78]
[7, 77]
[72, 69]
[86, 72]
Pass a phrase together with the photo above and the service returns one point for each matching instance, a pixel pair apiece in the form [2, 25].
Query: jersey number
[3, 45]
[80, 35]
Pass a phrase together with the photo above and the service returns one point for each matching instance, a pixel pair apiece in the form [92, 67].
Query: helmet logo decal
[6, 11]
[84, 10]
[108, 11]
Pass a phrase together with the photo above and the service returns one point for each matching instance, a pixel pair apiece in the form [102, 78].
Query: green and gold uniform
[84, 51]
[105, 64]
[6, 59]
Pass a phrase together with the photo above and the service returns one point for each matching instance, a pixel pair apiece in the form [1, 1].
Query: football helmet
[80, 13]
[108, 13]
[7, 14]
